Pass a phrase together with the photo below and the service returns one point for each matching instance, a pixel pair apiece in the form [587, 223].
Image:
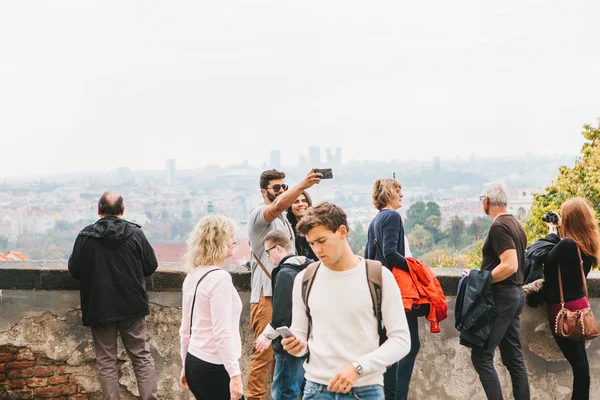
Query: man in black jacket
[110, 259]
[289, 371]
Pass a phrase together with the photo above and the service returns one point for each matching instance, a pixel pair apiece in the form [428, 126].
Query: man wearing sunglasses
[263, 219]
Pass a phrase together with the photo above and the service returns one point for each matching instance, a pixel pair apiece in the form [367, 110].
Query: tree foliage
[582, 180]
[455, 231]
[357, 239]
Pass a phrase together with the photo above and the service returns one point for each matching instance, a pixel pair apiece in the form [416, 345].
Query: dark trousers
[506, 335]
[133, 335]
[396, 378]
[574, 352]
[207, 381]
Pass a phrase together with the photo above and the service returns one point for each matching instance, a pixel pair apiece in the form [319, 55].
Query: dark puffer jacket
[110, 259]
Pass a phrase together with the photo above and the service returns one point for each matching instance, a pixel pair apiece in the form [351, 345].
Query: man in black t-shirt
[503, 254]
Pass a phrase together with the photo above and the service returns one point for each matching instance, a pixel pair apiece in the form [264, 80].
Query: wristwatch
[357, 367]
[271, 336]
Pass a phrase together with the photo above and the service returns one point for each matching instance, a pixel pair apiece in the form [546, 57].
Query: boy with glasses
[289, 373]
[262, 220]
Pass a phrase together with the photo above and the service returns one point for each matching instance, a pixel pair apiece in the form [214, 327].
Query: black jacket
[111, 258]
[535, 257]
[283, 283]
[475, 309]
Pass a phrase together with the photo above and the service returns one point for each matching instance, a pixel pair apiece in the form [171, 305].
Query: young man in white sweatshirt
[346, 360]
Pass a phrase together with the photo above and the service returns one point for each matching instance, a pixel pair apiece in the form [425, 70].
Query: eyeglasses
[277, 187]
[482, 197]
[268, 250]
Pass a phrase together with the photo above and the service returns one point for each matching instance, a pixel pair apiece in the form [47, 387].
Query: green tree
[420, 239]
[357, 238]
[455, 231]
[479, 226]
[582, 180]
[423, 214]
[416, 215]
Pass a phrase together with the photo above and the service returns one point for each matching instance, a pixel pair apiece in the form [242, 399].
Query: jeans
[396, 378]
[505, 334]
[316, 391]
[287, 377]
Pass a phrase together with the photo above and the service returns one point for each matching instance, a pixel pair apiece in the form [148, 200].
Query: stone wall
[45, 352]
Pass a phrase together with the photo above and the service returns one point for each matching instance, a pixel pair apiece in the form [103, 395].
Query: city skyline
[273, 159]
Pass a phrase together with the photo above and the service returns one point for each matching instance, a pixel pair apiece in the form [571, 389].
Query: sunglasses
[277, 187]
[482, 197]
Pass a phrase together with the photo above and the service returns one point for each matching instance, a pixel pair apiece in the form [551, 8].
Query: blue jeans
[287, 377]
[316, 391]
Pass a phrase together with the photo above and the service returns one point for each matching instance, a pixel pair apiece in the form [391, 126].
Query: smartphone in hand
[285, 332]
[327, 173]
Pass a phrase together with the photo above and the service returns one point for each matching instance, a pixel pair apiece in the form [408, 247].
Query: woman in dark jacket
[294, 215]
[579, 230]
[386, 242]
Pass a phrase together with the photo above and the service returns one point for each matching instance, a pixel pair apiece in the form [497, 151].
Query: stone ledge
[54, 275]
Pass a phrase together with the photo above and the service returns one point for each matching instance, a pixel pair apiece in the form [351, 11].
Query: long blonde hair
[208, 242]
[579, 224]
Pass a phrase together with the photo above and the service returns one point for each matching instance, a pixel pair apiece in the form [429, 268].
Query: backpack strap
[307, 282]
[375, 281]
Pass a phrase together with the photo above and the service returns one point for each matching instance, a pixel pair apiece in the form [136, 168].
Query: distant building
[314, 156]
[13, 256]
[520, 203]
[437, 164]
[170, 171]
[275, 159]
[334, 159]
[175, 252]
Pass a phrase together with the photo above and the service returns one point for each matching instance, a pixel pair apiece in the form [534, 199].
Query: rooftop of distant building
[13, 256]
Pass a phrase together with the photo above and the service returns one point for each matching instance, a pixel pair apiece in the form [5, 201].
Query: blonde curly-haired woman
[210, 323]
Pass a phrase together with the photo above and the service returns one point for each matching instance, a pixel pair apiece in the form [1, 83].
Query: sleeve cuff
[234, 370]
[270, 332]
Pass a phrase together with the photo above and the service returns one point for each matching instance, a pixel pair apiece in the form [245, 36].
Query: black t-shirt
[505, 233]
[565, 254]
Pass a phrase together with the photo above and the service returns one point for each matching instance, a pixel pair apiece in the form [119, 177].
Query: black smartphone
[327, 173]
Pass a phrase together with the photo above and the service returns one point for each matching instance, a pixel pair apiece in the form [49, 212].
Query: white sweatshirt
[344, 328]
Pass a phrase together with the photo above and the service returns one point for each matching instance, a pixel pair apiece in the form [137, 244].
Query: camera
[550, 217]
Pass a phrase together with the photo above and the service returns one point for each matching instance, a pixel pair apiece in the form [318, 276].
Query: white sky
[91, 86]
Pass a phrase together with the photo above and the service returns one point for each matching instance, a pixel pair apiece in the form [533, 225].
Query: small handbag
[578, 324]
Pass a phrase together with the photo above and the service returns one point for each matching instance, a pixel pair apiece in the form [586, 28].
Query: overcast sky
[91, 87]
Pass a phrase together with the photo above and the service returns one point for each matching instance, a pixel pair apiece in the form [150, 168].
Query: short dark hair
[270, 175]
[329, 215]
[107, 205]
[279, 238]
